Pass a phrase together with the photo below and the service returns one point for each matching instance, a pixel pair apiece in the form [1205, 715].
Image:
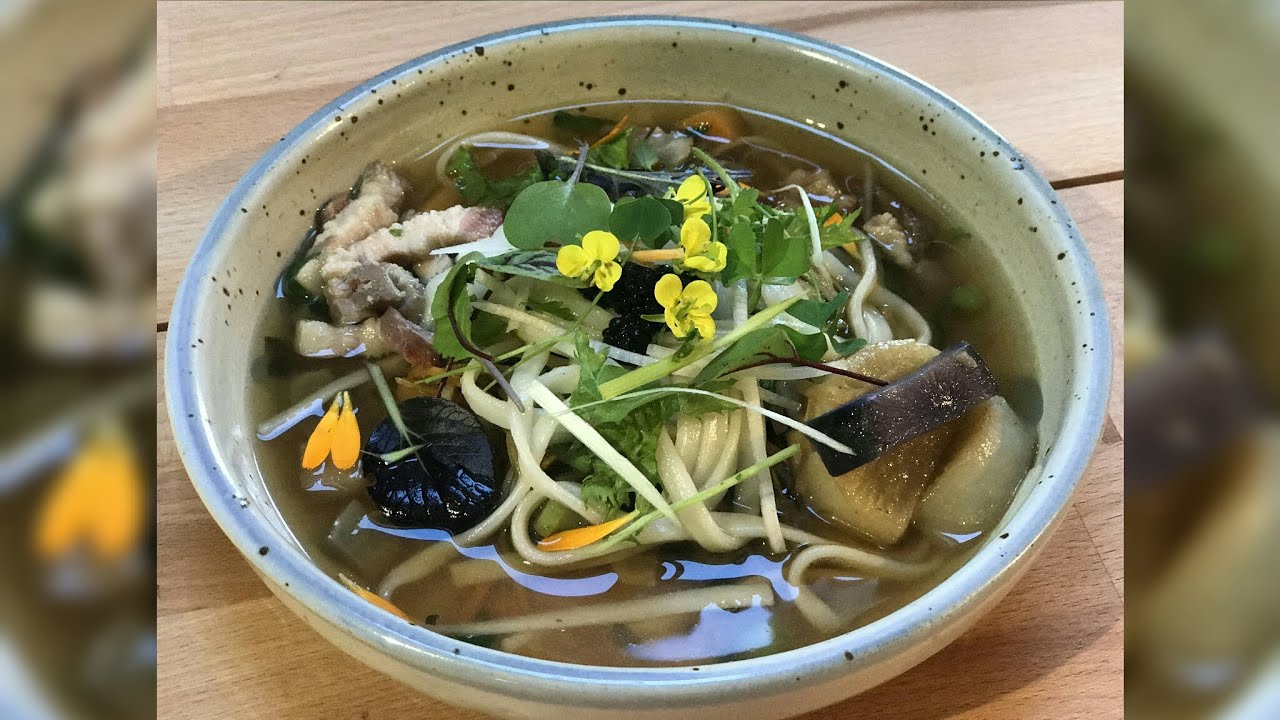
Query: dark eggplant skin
[937, 392]
[448, 483]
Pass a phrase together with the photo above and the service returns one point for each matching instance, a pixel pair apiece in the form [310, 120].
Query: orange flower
[337, 435]
[99, 497]
[582, 537]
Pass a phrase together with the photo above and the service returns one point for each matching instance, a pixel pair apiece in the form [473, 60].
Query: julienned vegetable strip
[596, 443]
[388, 399]
[649, 373]
[800, 427]
[710, 492]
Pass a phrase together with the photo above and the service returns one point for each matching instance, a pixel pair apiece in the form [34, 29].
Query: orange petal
[321, 438]
[373, 598]
[346, 437]
[834, 219]
[612, 133]
[62, 516]
[119, 513]
[98, 497]
[582, 537]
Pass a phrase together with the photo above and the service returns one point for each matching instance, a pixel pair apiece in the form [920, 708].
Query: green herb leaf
[616, 153]
[536, 264]
[817, 313]
[477, 188]
[741, 260]
[746, 204]
[675, 209]
[620, 182]
[488, 330]
[453, 299]
[395, 231]
[836, 234]
[643, 220]
[643, 154]
[777, 340]
[580, 123]
[557, 211]
[783, 257]
[553, 308]
[848, 347]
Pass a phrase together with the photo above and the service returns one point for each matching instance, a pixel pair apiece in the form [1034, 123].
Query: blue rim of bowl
[598, 686]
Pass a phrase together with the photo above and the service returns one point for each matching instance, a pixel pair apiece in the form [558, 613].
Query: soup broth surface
[955, 286]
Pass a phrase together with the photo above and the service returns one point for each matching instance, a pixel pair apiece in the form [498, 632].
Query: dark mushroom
[441, 476]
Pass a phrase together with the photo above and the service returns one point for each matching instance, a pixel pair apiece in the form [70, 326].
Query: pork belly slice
[379, 198]
[413, 240]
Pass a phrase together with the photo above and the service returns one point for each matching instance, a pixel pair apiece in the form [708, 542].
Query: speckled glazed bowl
[979, 177]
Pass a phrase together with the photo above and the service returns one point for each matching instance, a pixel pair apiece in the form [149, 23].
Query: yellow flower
[593, 261]
[687, 309]
[700, 252]
[692, 193]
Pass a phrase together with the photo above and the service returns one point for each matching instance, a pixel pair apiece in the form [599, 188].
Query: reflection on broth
[577, 467]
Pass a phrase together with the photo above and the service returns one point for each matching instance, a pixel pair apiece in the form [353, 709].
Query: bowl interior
[983, 182]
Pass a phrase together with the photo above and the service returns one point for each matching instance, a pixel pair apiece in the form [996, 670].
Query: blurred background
[77, 305]
[1201, 332]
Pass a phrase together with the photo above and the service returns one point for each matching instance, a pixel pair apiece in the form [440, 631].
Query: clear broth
[949, 258]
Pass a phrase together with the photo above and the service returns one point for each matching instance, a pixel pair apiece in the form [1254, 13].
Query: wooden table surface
[234, 77]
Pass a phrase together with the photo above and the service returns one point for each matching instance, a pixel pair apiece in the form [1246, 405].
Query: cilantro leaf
[631, 425]
[839, 233]
[477, 188]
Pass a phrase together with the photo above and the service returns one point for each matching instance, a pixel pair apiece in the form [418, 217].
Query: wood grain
[1049, 75]
[235, 77]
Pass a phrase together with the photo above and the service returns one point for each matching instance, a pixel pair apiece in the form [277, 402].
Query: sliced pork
[369, 289]
[378, 199]
[413, 240]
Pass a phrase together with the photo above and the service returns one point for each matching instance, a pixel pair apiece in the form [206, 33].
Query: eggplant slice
[941, 390]
[877, 499]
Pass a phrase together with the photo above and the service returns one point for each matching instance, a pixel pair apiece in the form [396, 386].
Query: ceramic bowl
[980, 178]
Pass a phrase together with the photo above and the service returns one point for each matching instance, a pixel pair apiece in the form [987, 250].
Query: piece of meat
[672, 148]
[413, 240]
[408, 339]
[379, 196]
[331, 207]
[369, 289]
[821, 187]
[432, 266]
[888, 232]
[320, 339]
